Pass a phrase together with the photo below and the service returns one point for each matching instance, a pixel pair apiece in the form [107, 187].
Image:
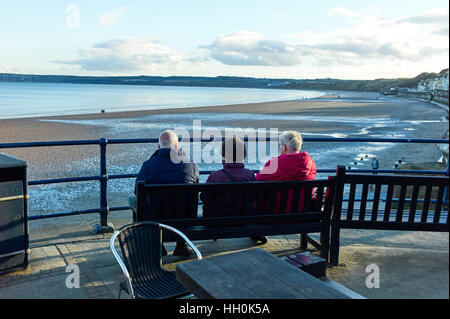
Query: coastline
[356, 114]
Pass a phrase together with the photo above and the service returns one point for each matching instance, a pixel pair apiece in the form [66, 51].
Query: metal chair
[145, 278]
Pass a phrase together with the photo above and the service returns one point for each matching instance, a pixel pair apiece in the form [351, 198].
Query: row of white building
[439, 83]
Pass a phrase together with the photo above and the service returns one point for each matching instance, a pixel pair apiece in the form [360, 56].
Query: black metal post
[104, 226]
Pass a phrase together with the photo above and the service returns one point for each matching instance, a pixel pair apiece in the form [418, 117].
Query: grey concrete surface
[411, 264]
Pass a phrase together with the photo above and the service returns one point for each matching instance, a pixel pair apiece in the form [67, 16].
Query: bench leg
[303, 241]
[334, 244]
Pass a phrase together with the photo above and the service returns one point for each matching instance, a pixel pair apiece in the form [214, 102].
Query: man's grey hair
[292, 139]
[168, 139]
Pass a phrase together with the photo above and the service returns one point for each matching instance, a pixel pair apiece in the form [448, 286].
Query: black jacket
[160, 169]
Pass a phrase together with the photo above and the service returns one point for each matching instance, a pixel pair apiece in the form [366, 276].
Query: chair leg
[120, 290]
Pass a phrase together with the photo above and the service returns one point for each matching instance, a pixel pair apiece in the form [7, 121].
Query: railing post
[104, 226]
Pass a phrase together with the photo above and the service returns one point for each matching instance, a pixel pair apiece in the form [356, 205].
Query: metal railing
[103, 177]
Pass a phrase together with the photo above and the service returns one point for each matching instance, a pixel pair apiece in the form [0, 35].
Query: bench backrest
[177, 204]
[391, 202]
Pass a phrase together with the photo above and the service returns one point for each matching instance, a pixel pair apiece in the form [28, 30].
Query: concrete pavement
[410, 264]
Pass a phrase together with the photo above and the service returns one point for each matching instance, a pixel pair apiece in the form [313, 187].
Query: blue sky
[280, 39]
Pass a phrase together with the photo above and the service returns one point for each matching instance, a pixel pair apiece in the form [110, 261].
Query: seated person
[161, 169]
[290, 165]
[233, 154]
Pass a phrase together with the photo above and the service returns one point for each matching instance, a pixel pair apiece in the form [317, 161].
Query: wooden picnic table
[251, 274]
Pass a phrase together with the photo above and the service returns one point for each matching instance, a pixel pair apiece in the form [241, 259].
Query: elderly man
[166, 166]
[291, 165]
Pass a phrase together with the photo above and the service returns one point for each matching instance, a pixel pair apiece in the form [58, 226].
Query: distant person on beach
[291, 165]
[375, 164]
[233, 154]
[161, 169]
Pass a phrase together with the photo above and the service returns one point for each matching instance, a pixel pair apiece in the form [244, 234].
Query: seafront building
[439, 83]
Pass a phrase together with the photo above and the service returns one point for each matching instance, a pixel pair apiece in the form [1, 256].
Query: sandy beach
[352, 114]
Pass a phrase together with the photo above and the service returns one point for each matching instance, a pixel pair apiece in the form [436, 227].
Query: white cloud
[378, 40]
[110, 18]
[132, 54]
[342, 11]
[126, 54]
[250, 48]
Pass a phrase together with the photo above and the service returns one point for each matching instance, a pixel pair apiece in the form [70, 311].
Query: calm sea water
[45, 99]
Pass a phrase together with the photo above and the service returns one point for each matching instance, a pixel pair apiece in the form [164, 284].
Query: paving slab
[404, 273]
[411, 264]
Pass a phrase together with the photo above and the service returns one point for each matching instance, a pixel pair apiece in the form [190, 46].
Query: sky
[344, 39]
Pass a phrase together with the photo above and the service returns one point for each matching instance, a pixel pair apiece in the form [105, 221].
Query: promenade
[411, 264]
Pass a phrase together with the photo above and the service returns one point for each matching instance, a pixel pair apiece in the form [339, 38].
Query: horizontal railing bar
[124, 176]
[48, 144]
[403, 171]
[63, 214]
[64, 180]
[77, 212]
[154, 140]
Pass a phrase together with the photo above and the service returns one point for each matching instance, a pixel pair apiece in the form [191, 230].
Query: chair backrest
[416, 201]
[141, 249]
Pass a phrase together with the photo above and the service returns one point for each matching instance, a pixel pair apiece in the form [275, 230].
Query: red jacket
[289, 167]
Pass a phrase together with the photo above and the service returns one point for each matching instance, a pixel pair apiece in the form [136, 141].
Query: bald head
[168, 139]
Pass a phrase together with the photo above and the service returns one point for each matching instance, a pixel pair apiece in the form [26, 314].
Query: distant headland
[376, 85]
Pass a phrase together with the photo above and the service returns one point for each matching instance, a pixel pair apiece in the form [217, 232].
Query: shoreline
[284, 106]
[353, 115]
[176, 105]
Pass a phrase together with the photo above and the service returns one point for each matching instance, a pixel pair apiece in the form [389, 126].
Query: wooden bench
[254, 207]
[387, 203]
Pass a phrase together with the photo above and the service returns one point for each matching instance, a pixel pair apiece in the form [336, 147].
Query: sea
[18, 100]
[47, 99]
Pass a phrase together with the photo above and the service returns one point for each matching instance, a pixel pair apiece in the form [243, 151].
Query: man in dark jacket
[166, 166]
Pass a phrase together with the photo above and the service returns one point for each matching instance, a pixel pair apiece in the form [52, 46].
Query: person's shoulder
[249, 172]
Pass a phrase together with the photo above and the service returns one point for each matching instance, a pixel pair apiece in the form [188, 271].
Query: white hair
[168, 139]
[292, 139]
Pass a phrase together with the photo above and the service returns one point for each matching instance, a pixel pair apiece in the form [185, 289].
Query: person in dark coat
[233, 155]
[166, 166]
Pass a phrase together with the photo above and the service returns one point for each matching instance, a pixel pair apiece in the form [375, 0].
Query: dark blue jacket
[160, 169]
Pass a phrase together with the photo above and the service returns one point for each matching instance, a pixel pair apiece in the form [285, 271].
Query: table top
[251, 274]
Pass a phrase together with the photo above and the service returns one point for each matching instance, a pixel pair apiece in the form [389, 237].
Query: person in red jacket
[291, 165]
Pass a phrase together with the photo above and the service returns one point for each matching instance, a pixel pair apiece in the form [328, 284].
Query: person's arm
[268, 172]
[140, 176]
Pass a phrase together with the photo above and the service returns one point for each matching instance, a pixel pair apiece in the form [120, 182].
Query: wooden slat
[376, 202]
[387, 207]
[153, 207]
[295, 199]
[272, 199]
[247, 203]
[319, 200]
[413, 204]
[307, 201]
[426, 204]
[165, 204]
[437, 210]
[362, 210]
[401, 204]
[351, 201]
[235, 202]
[284, 199]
